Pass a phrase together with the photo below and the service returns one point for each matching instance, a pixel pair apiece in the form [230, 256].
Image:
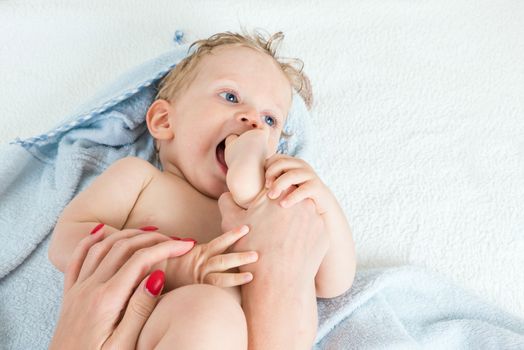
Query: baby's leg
[197, 316]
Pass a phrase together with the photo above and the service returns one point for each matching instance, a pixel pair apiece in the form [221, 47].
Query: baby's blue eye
[229, 97]
[270, 120]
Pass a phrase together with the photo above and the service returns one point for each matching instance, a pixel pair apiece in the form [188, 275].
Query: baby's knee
[198, 316]
[205, 299]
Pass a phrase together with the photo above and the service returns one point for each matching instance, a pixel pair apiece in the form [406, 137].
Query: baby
[216, 121]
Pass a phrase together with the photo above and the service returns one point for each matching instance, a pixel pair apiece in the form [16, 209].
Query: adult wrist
[285, 309]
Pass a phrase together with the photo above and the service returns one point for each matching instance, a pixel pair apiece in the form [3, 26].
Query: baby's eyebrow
[275, 113]
[275, 110]
[278, 111]
[228, 82]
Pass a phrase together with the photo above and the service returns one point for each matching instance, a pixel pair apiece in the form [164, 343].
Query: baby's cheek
[272, 147]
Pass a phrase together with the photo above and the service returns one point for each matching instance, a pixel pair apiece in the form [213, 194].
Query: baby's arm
[337, 270]
[245, 156]
[109, 200]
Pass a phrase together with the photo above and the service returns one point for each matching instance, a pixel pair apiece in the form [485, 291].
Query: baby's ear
[157, 119]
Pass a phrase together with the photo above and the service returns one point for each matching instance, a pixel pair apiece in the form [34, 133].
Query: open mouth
[221, 157]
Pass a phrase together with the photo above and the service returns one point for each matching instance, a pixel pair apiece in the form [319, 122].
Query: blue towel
[410, 308]
[389, 308]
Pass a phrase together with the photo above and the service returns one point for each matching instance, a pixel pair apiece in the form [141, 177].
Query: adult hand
[102, 306]
[279, 303]
[293, 238]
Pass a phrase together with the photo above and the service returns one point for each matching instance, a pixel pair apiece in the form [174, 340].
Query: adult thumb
[139, 308]
[227, 205]
[232, 214]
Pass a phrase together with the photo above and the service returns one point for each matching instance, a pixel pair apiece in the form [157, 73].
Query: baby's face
[235, 89]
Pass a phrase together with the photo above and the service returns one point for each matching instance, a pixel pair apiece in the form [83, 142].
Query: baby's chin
[214, 192]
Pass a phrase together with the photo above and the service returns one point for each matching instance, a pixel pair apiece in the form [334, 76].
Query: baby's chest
[176, 209]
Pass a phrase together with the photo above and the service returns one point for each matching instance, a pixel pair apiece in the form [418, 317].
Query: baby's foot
[245, 156]
[249, 145]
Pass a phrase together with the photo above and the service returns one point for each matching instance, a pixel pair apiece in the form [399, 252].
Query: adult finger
[136, 268]
[140, 306]
[122, 250]
[78, 258]
[99, 250]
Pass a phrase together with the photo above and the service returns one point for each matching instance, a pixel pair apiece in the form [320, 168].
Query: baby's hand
[283, 171]
[207, 263]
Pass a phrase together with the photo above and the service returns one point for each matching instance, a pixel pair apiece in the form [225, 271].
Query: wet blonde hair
[184, 72]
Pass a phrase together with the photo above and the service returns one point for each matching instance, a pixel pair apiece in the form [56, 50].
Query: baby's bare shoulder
[113, 194]
[134, 167]
[134, 163]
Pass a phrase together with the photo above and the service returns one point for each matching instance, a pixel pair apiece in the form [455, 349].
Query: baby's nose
[250, 120]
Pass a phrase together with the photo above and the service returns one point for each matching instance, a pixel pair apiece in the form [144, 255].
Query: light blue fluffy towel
[393, 308]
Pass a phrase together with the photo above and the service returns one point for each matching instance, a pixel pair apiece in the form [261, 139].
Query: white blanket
[419, 112]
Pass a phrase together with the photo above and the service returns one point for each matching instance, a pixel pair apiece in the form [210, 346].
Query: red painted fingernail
[155, 282]
[97, 228]
[176, 238]
[191, 240]
[149, 228]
